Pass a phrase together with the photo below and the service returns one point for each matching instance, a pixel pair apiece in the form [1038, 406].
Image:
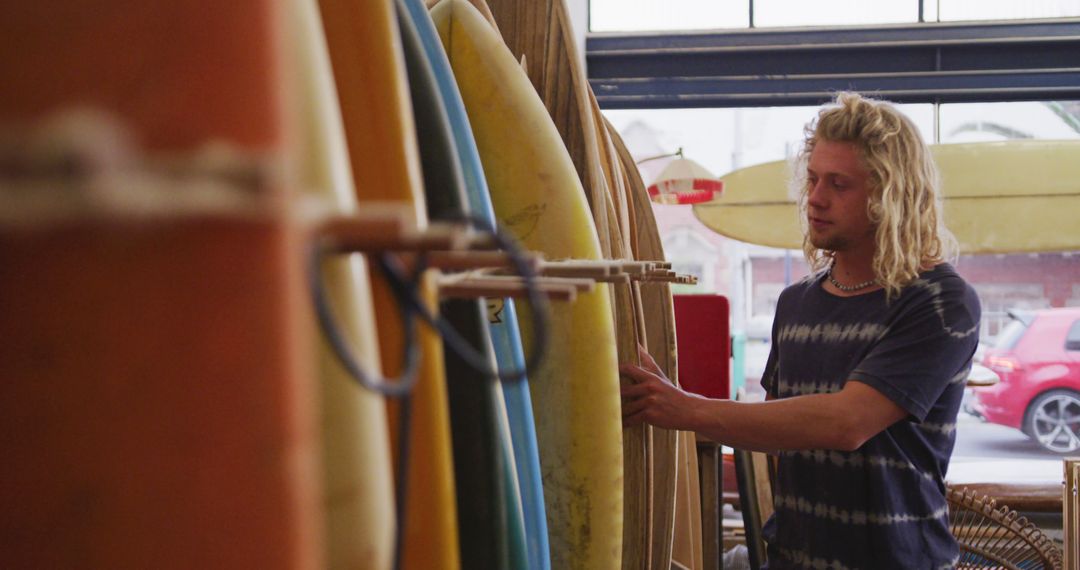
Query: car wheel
[1053, 420]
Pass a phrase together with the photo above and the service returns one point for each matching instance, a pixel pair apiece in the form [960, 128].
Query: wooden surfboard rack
[477, 269]
[473, 285]
[612, 271]
[387, 230]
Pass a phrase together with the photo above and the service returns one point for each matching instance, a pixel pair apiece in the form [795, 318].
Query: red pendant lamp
[684, 181]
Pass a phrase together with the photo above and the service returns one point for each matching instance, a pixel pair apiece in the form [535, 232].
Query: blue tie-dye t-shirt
[883, 505]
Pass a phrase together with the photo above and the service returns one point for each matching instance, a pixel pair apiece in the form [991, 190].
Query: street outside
[990, 453]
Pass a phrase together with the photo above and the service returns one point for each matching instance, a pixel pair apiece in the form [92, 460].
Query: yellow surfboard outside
[537, 195]
[1000, 197]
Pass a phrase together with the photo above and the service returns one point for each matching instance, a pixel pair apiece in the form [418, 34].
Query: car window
[1010, 335]
[1072, 340]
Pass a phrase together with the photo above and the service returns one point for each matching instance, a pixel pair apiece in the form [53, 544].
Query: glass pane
[1072, 338]
[833, 12]
[665, 15]
[752, 276]
[976, 122]
[953, 10]
[1008, 336]
[723, 140]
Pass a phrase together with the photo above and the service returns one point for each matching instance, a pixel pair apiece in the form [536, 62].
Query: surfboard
[541, 32]
[637, 448]
[645, 538]
[491, 529]
[688, 547]
[1000, 197]
[214, 76]
[357, 476]
[158, 405]
[537, 196]
[502, 313]
[369, 69]
[659, 318]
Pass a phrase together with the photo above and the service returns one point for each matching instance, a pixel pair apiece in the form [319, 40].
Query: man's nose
[816, 195]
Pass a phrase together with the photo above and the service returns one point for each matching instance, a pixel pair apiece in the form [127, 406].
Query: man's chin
[827, 244]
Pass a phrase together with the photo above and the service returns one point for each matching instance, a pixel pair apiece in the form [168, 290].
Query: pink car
[1037, 357]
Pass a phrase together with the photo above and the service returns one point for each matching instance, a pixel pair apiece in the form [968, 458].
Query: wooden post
[1071, 513]
[711, 494]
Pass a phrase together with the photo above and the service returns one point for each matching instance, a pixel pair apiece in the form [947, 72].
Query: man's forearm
[803, 422]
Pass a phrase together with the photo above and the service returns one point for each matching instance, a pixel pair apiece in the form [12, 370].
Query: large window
[977, 122]
[667, 15]
[776, 13]
[959, 10]
[671, 15]
[724, 140]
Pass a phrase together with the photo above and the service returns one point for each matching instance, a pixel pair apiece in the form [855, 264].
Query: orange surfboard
[158, 407]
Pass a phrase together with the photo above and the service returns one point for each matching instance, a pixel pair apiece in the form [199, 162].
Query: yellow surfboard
[369, 68]
[537, 196]
[1000, 197]
[540, 33]
[357, 477]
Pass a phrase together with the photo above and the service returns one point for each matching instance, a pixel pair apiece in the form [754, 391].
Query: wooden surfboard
[540, 31]
[369, 69]
[1000, 197]
[629, 332]
[158, 405]
[537, 195]
[659, 317]
[682, 507]
[357, 475]
[502, 314]
[491, 529]
[688, 547]
[637, 440]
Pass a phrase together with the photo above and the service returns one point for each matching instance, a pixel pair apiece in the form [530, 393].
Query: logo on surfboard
[525, 220]
[494, 310]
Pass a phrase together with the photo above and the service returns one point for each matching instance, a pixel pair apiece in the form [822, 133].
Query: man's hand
[652, 398]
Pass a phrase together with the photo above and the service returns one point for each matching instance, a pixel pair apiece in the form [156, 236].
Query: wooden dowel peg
[469, 260]
[579, 285]
[480, 241]
[348, 234]
[674, 278]
[587, 269]
[572, 268]
[637, 267]
[454, 287]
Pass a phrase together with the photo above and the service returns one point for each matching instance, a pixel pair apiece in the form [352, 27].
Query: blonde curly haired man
[869, 357]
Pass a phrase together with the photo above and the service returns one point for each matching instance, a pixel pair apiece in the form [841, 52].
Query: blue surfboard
[491, 522]
[503, 322]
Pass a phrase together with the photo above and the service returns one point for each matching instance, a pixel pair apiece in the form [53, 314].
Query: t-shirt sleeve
[770, 374]
[927, 347]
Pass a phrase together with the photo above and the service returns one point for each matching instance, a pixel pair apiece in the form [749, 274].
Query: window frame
[909, 63]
